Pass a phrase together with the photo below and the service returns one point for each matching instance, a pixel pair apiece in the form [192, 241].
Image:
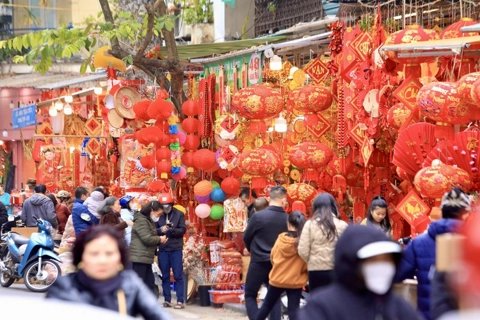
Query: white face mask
[378, 276]
[154, 218]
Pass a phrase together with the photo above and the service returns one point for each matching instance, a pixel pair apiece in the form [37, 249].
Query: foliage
[46, 45]
[366, 23]
[200, 11]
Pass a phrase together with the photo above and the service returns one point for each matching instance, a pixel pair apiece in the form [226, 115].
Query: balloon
[182, 174]
[182, 137]
[180, 208]
[202, 210]
[202, 199]
[217, 212]
[202, 188]
[215, 184]
[218, 195]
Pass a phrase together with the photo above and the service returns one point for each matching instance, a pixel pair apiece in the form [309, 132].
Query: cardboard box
[449, 249]
[26, 232]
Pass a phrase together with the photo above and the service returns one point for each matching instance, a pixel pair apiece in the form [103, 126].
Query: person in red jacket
[63, 213]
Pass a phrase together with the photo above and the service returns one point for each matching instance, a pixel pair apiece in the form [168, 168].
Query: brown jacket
[289, 271]
[114, 219]
[62, 216]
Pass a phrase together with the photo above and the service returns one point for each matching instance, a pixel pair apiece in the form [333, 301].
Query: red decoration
[310, 156]
[163, 154]
[164, 168]
[453, 30]
[190, 108]
[230, 186]
[398, 114]
[190, 125]
[156, 186]
[257, 103]
[148, 135]
[258, 163]
[204, 159]
[310, 98]
[407, 92]
[192, 142]
[188, 159]
[140, 108]
[316, 125]
[412, 207]
[147, 162]
[301, 192]
[317, 70]
[466, 88]
[160, 109]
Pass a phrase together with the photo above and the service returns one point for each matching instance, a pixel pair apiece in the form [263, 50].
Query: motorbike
[32, 259]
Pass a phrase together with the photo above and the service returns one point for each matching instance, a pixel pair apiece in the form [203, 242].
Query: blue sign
[24, 116]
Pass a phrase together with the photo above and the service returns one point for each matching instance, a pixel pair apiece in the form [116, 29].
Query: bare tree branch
[107, 13]
[149, 34]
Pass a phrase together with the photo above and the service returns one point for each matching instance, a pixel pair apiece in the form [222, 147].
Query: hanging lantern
[192, 142]
[160, 109]
[58, 123]
[454, 30]
[203, 188]
[190, 108]
[398, 114]
[163, 168]
[465, 87]
[230, 186]
[310, 156]
[310, 98]
[204, 159]
[190, 125]
[258, 163]
[257, 103]
[140, 108]
[148, 135]
[301, 192]
[440, 102]
[188, 158]
[163, 154]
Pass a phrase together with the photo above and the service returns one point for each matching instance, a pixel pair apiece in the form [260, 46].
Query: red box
[225, 296]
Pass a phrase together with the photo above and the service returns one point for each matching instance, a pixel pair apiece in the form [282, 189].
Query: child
[289, 271]
[260, 204]
[378, 216]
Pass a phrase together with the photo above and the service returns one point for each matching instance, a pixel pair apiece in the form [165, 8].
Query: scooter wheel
[5, 279]
[40, 281]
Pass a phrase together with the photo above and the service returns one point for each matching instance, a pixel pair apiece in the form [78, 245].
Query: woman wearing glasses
[144, 242]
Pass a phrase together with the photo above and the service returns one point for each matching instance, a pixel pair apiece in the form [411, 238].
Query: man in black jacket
[365, 264]
[262, 232]
[3, 214]
[172, 225]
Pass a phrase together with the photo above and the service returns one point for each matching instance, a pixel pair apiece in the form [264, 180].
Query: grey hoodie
[39, 206]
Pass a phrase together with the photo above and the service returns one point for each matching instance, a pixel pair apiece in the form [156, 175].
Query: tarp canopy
[454, 44]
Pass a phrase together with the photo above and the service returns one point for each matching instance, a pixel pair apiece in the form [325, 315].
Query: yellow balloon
[180, 208]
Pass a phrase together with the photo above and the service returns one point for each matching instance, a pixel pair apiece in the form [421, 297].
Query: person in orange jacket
[289, 271]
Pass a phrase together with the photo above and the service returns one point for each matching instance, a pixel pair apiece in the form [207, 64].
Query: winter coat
[68, 236]
[347, 298]
[82, 218]
[262, 232]
[127, 215]
[174, 234]
[62, 215]
[366, 222]
[139, 299]
[314, 248]
[289, 271]
[114, 219]
[419, 257]
[144, 239]
[38, 206]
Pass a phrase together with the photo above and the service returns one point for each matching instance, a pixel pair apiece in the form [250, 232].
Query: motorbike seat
[19, 239]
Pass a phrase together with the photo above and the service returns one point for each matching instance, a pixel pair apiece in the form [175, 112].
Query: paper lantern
[231, 186]
[202, 211]
[398, 114]
[147, 162]
[58, 123]
[434, 181]
[465, 87]
[156, 186]
[140, 108]
[453, 30]
[310, 156]
[310, 98]
[204, 159]
[160, 109]
[192, 142]
[440, 102]
[257, 103]
[163, 168]
[202, 188]
[215, 184]
[301, 192]
[181, 175]
[217, 195]
[163, 154]
[202, 199]
[217, 212]
[188, 159]
[190, 108]
[258, 163]
[411, 33]
[190, 125]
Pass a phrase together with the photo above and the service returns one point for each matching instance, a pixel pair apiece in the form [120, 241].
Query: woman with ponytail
[318, 239]
[289, 271]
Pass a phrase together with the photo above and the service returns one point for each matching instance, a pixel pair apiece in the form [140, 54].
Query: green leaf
[17, 43]
[169, 24]
[94, 42]
[18, 59]
[99, 14]
[25, 41]
[3, 44]
[83, 67]
[155, 32]
[29, 59]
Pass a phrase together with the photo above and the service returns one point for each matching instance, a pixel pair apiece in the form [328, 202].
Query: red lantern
[163, 154]
[190, 125]
[148, 135]
[190, 108]
[163, 140]
[156, 186]
[188, 159]
[160, 109]
[398, 114]
[164, 168]
[453, 30]
[230, 186]
[310, 156]
[140, 108]
[204, 159]
[257, 103]
[465, 87]
[310, 98]
[440, 102]
[192, 142]
[147, 162]
[434, 181]
[301, 192]
[258, 163]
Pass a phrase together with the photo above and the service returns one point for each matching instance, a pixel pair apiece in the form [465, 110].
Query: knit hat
[92, 202]
[455, 203]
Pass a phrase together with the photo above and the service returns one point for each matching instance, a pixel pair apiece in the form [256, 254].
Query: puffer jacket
[139, 299]
[314, 248]
[419, 258]
[62, 215]
[145, 240]
[38, 206]
[82, 218]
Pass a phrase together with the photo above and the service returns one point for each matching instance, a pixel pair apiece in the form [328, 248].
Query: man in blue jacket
[419, 256]
[82, 218]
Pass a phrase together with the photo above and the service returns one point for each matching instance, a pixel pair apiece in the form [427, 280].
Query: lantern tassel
[310, 175]
[444, 131]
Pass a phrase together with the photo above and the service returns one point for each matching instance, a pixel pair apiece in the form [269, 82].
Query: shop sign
[24, 117]
[253, 65]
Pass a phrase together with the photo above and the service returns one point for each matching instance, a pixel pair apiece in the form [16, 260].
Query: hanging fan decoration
[413, 146]
[463, 152]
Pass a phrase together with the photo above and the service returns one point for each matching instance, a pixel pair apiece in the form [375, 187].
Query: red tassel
[310, 175]
[258, 126]
[444, 131]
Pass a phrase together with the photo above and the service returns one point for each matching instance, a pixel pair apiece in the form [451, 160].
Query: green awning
[193, 51]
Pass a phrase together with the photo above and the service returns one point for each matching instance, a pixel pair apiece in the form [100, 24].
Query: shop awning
[193, 51]
[48, 81]
[472, 28]
[444, 47]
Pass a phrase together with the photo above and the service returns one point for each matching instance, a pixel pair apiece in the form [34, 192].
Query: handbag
[122, 303]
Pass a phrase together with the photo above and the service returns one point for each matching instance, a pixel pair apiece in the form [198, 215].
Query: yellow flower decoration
[173, 119]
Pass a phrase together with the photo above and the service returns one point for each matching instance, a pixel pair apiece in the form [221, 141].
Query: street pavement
[191, 311]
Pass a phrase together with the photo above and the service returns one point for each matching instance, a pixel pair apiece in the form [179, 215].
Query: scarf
[100, 288]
